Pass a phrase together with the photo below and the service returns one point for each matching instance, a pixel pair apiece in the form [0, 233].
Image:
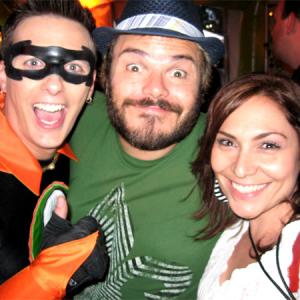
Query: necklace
[51, 165]
[288, 296]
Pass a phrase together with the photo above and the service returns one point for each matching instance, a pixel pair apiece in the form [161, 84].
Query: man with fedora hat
[135, 147]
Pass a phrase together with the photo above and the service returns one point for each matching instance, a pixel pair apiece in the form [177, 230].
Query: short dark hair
[291, 6]
[70, 9]
[283, 91]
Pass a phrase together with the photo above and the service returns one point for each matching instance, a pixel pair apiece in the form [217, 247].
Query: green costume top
[145, 209]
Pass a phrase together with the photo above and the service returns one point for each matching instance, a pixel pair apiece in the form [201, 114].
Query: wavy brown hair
[281, 90]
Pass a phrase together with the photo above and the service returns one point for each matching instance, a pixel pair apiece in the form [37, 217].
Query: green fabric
[37, 225]
[145, 209]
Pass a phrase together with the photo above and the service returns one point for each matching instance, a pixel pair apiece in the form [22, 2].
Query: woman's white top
[249, 282]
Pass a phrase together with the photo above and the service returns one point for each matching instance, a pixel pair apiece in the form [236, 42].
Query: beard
[146, 137]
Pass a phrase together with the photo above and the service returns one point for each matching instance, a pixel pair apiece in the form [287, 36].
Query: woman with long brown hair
[248, 168]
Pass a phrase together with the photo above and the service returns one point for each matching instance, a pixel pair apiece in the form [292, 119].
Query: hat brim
[212, 46]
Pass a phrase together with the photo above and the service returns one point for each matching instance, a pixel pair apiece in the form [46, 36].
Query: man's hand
[59, 230]
[61, 208]
[71, 256]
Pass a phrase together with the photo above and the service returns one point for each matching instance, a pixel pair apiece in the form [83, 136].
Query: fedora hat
[170, 18]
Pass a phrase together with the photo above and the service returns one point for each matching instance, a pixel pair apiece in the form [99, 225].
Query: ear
[3, 77]
[291, 23]
[92, 86]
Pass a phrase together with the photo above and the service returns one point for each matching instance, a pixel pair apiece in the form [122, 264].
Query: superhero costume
[21, 180]
[67, 250]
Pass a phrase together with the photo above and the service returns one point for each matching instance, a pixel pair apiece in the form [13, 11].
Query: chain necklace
[52, 164]
[288, 296]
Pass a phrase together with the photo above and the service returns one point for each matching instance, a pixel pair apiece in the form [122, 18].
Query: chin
[245, 214]
[51, 146]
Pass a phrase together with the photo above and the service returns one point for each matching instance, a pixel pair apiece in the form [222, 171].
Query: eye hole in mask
[31, 63]
[25, 60]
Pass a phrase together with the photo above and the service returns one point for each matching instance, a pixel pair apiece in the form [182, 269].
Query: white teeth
[48, 122]
[248, 188]
[49, 107]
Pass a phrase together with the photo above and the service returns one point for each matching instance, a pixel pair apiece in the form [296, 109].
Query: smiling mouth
[246, 189]
[51, 108]
[49, 115]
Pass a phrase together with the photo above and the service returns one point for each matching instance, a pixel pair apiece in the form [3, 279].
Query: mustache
[161, 103]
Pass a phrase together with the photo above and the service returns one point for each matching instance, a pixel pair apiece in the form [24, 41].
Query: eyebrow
[258, 137]
[145, 54]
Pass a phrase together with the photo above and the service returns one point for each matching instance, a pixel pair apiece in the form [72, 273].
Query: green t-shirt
[145, 209]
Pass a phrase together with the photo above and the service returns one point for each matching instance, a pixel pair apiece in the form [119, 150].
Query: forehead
[258, 113]
[158, 46]
[49, 30]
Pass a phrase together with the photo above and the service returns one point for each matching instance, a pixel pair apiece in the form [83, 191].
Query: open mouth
[49, 115]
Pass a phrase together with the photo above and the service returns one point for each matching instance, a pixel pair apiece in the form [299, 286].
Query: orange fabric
[31, 234]
[105, 12]
[2, 97]
[47, 277]
[16, 159]
[23, 286]
[103, 15]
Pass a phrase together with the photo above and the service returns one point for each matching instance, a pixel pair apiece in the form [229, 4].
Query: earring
[89, 100]
[218, 192]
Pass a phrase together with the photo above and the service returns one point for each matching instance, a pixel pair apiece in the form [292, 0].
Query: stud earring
[89, 100]
[218, 192]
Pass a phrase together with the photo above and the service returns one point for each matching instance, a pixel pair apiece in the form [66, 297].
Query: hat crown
[181, 9]
[169, 18]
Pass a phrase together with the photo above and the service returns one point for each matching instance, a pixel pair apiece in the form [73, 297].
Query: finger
[61, 208]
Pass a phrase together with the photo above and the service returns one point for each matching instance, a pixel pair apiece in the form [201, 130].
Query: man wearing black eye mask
[47, 74]
[54, 61]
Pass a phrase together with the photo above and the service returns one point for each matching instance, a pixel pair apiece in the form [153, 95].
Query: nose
[245, 164]
[155, 86]
[53, 84]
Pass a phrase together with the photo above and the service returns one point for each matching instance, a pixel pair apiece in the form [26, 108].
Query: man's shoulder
[98, 95]
[92, 121]
[98, 104]
[198, 129]
[201, 121]
[94, 112]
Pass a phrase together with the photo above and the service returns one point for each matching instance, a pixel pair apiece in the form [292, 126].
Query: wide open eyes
[80, 67]
[31, 63]
[28, 62]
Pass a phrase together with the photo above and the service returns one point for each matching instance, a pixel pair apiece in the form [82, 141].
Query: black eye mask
[54, 58]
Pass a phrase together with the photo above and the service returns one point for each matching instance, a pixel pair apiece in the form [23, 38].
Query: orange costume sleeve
[47, 276]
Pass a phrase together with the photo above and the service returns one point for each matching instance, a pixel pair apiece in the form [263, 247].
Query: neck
[51, 164]
[267, 227]
[144, 154]
[44, 155]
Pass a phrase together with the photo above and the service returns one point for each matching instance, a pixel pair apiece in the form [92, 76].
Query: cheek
[129, 88]
[77, 96]
[18, 88]
[283, 169]
[18, 94]
[286, 163]
[185, 97]
[218, 161]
